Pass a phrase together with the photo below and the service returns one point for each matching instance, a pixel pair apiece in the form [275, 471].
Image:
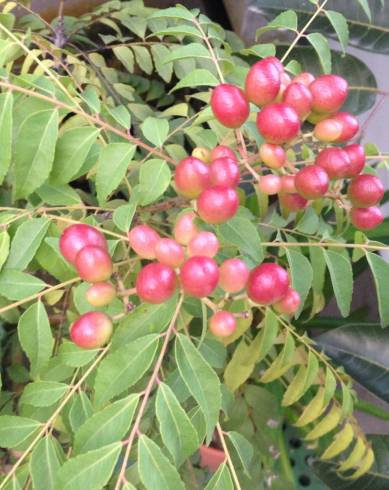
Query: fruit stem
[210, 304]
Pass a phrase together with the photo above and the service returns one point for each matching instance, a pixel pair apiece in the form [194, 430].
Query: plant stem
[228, 456]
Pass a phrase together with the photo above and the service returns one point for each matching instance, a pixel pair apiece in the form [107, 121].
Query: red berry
[217, 205]
[288, 184]
[204, 244]
[222, 324]
[365, 191]
[143, 240]
[222, 151]
[312, 182]
[76, 237]
[335, 162]
[224, 172]
[278, 123]
[234, 275]
[92, 330]
[357, 157]
[263, 82]
[366, 218]
[289, 304]
[169, 252]
[285, 82]
[156, 283]
[276, 62]
[299, 97]
[191, 177]
[328, 130]
[199, 276]
[101, 294]
[328, 93]
[305, 78]
[273, 156]
[229, 105]
[270, 184]
[349, 124]
[292, 202]
[185, 228]
[93, 264]
[267, 284]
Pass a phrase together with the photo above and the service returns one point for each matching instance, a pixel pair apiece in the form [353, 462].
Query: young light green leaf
[339, 23]
[74, 356]
[154, 179]
[14, 430]
[125, 56]
[123, 215]
[121, 115]
[16, 285]
[177, 431]
[91, 470]
[239, 368]
[342, 279]
[159, 52]
[6, 112]
[221, 480]
[200, 379]
[319, 268]
[197, 78]
[155, 470]
[92, 99]
[4, 247]
[34, 151]
[192, 50]
[143, 59]
[322, 48]
[306, 375]
[243, 449]
[267, 336]
[155, 130]
[45, 462]
[302, 274]
[380, 270]
[35, 337]
[285, 20]
[179, 12]
[43, 393]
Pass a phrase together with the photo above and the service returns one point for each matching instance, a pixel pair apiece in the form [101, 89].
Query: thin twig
[228, 456]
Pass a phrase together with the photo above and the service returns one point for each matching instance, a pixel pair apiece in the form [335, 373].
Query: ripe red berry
[93, 264]
[305, 78]
[217, 205]
[201, 153]
[263, 82]
[273, 156]
[199, 276]
[224, 172]
[357, 157]
[349, 124]
[191, 177]
[222, 324]
[335, 162]
[299, 97]
[234, 275]
[143, 240]
[276, 62]
[156, 283]
[185, 228]
[267, 284]
[366, 218]
[328, 93]
[289, 304]
[365, 191]
[204, 244]
[288, 184]
[312, 182]
[78, 236]
[92, 330]
[292, 202]
[229, 105]
[278, 123]
[101, 294]
[328, 130]
[169, 252]
[270, 184]
[222, 151]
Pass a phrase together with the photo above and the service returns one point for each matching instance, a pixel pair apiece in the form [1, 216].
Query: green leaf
[321, 46]
[154, 179]
[124, 367]
[200, 379]
[72, 148]
[26, 242]
[302, 275]
[380, 270]
[342, 279]
[34, 151]
[44, 463]
[159, 52]
[339, 23]
[239, 367]
[121, 115]
[177, 431]
[112, 166]
[89, 471]
[143, 59]
[6, 121]
[304, 378]
[35, 337]
[4, 247]
[155, 130]
[43, 393]
[243, 449]
[366, 8]
[14, 430]
[192, 50]
[285, 20]
[197, 78]
[221, 480]
[74, 356]
[319, 268]
[123, 215]
[179, 12]
[261, 50]
[106, 426]
[16, 285]
[92, 99]
[58, 195]
[154, 468]
[268, 334]
[80, 410]
[125, 56]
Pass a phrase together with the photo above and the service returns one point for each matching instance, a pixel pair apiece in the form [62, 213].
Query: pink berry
[278, 123]
[267, 284]
[349, 124]
[222, 324]
[289, 304]
[312, 182]
[217, 205]
[101, 294]
[234, 275]
[93, 264]
[229, 105]
[365, 191]
[328, 130]
[78, 236]
[334, 161]
[143, 240]
[199, 276]
[288, 184]
[270, 184]
[276, 62]
[273, 156]
[263, 82]
[191, 177]
[185, 228]
[156, 283]
[224, 172]
[357, 157]
[293, 202]
[299, 97]
[305, 78]
[366, 218]
[222, 151]
[92, 330]
[204, 244]
[328, 93]
[169, 252]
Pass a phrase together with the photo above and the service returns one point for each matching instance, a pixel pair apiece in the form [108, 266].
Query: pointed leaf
[339, 23]
[44, 464]
[154, 179]
[14, 430]
[43, 393]
[380, 270]
[15, 285]
[6, 121]
[155, 130]
[243, 449]
[221, 480]
[302, 274]
[197, 78]
[322, 48]
[342, 279]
